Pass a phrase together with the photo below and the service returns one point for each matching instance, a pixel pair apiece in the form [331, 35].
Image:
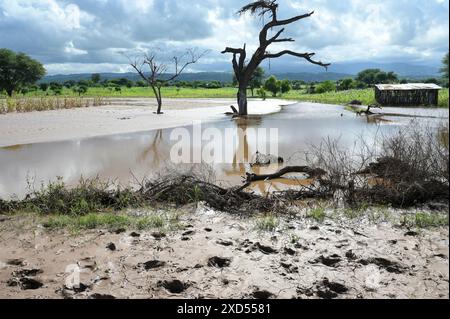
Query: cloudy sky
[76, 36]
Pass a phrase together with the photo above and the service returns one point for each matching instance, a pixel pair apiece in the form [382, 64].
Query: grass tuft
[318, 214]
[267, 223]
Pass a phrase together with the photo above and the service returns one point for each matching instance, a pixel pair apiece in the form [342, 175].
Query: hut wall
[407, 97]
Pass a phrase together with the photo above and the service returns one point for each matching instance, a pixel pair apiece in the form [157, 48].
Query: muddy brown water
[127, 157]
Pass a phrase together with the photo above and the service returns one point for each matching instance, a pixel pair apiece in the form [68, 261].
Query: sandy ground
[122, 116]
[217, 255]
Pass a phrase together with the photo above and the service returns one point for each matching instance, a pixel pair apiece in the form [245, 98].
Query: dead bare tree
[158, 74]
[243, 69]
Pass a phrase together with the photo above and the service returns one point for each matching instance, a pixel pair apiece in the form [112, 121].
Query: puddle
[127, 157]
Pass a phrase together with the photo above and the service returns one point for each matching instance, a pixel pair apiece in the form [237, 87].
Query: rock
[351, 255]
[289, 251]
[330, 290]
[262, 294]
[120, 231]
[152, 264]
[27, 272]
[219, 262]
[411, 234]
[111, 246]
[224, 243]
[189, 233]
[158, 235]
[174, 286]
[388, 265]
[266, 249]
[25, 283]
[289, 267]
[330, 261]
[78, 288]
[19, 262]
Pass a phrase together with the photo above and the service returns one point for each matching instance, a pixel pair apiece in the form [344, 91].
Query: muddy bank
[122, 116]
[214, 255]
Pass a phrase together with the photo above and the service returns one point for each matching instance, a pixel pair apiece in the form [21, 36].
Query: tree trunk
[242, 99]
[9, 92]
[159, 99]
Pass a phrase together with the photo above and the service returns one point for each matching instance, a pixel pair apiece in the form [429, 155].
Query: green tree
[96, 78]
[80, 89]
[345, 84]
[262, 93]
[376, 76]
[256, 80]
[273, 85]
[43, 86]
[285, 86]
[17, 70]
[444, 70]
[56, 88]
[327, 86]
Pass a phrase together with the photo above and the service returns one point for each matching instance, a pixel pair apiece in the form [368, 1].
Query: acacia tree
[17, 71]
[244, 69]
[158, 74]
[444, 70]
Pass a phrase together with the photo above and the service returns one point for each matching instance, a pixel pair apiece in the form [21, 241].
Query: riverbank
[121, 116]
[366, 96]
[196, 252]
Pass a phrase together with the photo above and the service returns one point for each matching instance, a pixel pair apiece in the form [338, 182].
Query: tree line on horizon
[21, 74]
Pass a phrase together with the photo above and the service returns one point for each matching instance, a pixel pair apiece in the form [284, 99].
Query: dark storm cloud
[84, 35]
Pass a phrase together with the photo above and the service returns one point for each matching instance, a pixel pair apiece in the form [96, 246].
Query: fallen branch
[311, 172]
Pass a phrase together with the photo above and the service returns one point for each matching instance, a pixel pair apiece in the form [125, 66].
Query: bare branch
[283, 40]
[306, 56]
[277, 23]
[233, 50]
[275, 37]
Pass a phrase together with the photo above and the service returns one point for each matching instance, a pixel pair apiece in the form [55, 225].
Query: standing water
[128, 157]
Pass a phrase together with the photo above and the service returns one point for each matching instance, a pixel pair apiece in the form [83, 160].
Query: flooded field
[129, 157]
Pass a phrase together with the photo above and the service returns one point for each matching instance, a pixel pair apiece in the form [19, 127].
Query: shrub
[326, 86]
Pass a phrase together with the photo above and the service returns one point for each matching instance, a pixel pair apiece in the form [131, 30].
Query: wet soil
[226, 256]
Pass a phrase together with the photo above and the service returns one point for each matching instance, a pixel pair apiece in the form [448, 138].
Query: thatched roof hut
[412, 94]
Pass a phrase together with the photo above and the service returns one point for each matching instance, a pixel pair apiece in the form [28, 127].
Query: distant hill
[305, 72]
[201, 76]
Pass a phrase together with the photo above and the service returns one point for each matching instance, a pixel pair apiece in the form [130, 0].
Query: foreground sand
[122, 116]
[216, 255]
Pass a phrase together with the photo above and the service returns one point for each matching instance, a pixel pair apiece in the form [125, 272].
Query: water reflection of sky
[116, 157]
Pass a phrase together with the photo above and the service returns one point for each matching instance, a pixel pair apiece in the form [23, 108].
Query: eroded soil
[217, 255]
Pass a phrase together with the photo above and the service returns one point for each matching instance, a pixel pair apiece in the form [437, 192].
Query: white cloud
[68, 33]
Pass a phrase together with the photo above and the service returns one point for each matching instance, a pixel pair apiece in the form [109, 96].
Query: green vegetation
[444, 70]
[112, 221]
[267, 223]
[318, 214]
[426, 220]
[324, 87]
[376, 76]
[18, 71]
[29, 104]
[366, 96]
[88, 197]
